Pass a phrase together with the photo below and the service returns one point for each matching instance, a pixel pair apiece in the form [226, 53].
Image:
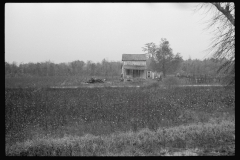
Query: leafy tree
[7, 68]
[77, 67]
[175, 64]
[105, 67]
[161, 57]
[92, 69]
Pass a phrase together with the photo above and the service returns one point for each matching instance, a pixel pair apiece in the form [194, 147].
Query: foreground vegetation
[36, 115]
[196, 139]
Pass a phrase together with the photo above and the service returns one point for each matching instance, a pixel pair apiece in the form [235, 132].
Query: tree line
[208, 67]
[106, 68]
[160, 58]
[77, 68]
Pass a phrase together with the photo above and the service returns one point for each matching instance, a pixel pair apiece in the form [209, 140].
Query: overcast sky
[64, 32]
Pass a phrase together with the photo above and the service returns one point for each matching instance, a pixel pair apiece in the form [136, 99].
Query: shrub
[171, 82]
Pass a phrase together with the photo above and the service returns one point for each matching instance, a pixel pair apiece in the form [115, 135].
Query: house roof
[134, 67]
[134, 57]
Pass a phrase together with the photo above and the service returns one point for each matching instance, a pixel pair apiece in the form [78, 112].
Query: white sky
[64, 32]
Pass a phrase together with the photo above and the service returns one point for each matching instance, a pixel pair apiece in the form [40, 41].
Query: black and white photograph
[119, 79]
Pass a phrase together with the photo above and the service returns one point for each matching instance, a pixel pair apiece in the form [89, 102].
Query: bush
[171, 82]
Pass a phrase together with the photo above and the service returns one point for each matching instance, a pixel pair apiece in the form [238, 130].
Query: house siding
[135, 63]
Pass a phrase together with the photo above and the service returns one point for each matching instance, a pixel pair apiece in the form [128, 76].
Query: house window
[149, 74]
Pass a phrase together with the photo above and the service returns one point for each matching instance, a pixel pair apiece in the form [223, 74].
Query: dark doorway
[136, 73]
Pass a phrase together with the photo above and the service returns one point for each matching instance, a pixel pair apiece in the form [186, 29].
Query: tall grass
[193, 139]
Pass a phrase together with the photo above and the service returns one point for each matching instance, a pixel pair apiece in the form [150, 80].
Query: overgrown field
[34, 116]
[60, 81]
[36, 81]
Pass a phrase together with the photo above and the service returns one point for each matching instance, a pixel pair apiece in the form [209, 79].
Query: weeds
[144, 142]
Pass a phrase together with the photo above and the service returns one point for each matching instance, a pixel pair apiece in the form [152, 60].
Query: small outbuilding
[154, 75]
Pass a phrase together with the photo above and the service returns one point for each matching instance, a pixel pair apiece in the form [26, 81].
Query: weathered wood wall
[135, 63]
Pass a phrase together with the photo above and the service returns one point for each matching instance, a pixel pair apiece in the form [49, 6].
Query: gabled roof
[134, 57]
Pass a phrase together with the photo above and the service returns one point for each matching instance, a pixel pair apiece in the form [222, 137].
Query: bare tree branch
[223, 43]
[225, 11]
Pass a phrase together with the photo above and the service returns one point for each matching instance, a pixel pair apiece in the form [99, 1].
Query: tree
[223, 44]
[77, 67]
[161, 57]
[92, 69]
[105, 66]
[80, 65]
[175, 64]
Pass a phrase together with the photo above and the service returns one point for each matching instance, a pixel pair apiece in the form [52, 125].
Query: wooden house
[134, 66]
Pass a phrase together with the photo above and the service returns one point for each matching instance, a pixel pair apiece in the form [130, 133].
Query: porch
[130, 72]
